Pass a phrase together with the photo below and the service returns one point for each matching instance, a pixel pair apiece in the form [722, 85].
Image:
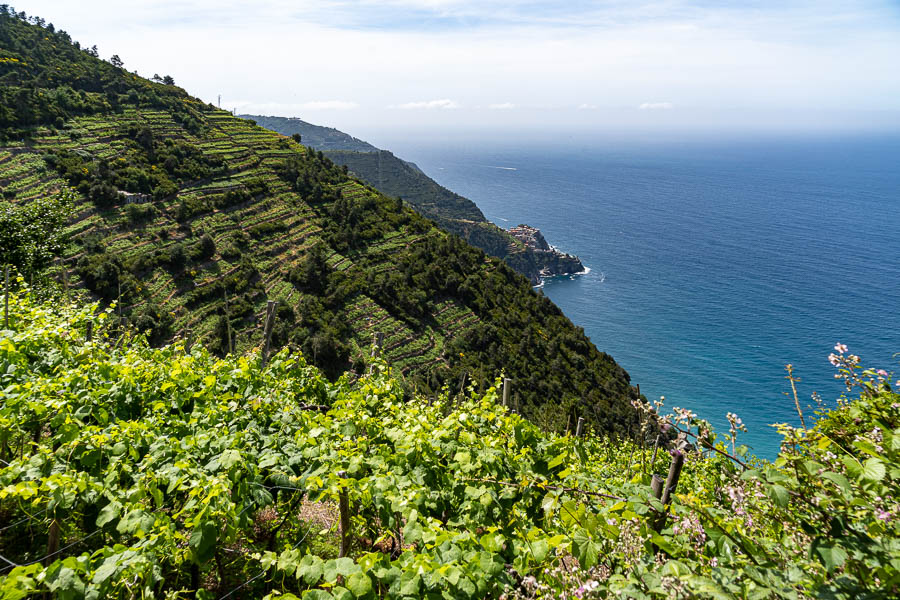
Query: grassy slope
[445, 309]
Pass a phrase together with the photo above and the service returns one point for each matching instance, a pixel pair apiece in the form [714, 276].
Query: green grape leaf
[310, 569]
[360, 584]
[873, 470]
[539, 550]
[109, 513]
[832, 556]
[779, 495]
[341, 593]
[838, 480]
[203, 542]
[410, 585]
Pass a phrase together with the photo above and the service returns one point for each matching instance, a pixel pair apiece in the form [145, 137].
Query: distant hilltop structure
[531, 237]
[555, 262]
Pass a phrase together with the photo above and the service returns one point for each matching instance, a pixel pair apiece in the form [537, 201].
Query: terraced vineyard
[452, 212]
[191, 220]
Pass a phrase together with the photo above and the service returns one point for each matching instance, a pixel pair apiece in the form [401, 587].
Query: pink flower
[840, 347]
[834, 360]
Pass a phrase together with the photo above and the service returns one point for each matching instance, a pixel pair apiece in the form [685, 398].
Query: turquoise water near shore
[713, 262]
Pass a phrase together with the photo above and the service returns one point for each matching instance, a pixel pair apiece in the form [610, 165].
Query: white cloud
[428, 105]
[656, 106]
[503, 106]
[328, 105]
[544, 58]
[287, 109]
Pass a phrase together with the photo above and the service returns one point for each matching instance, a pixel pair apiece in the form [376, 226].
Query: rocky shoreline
[552, 262]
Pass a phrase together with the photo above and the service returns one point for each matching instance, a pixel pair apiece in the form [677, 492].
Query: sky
[461, 64]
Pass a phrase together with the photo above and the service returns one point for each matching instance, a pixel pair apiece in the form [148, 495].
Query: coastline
[545, 278]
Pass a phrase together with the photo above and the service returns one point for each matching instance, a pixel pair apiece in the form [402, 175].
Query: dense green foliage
[398, 178]
[31, 235]
[46, 78]
[191, 220]
[130, 471]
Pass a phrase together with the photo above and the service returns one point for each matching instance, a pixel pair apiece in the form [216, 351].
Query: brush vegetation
[130, 471]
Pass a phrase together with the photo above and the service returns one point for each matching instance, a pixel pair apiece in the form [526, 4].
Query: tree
[296, 137]
[93, 51]
[156, 78]
[168, 80]
[116, 61]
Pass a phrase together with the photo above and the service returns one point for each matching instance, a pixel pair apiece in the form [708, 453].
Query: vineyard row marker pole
[89, 331]
[670, 485]
[579, 429]
[228, 322]
[271, 305]
[656, 486]
[377, 343]
[344, 507]
[655, 449]
[6, 297]
[52, 541]
[506, 387]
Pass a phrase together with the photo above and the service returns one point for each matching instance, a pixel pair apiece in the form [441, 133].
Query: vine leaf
[203, 542]
[873, 470]
[832, 556]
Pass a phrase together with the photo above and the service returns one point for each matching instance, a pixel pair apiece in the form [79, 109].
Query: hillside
[192, 220]
[128, 472]
[313, 136]
[398, 178]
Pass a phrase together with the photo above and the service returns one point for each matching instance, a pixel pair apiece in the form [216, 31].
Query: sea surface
[713, 262]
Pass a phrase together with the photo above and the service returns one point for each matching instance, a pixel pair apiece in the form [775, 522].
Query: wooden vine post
[344, 507]
[377, 343]
[579, 429]
[228, 323]
[89, 331]
[506, 388]
[271, 305]
[669, 488]
[52, 542]
[655, 449]
[6, 297]
[65, 276]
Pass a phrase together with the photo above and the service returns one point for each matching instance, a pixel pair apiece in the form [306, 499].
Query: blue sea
[713, 262]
